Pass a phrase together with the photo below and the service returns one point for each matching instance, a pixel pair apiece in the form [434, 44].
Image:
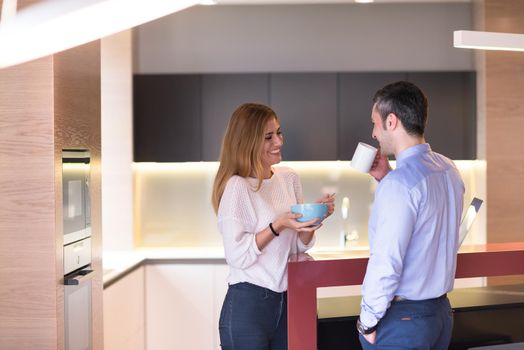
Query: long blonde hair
[241, 147]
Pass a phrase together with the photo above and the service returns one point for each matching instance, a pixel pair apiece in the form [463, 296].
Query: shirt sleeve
[394, 215]
[301, 247]
[235, 223]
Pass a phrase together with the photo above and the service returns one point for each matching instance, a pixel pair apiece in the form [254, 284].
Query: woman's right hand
[289, 220]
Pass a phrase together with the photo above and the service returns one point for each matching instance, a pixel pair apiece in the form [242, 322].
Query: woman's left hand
[329, 200]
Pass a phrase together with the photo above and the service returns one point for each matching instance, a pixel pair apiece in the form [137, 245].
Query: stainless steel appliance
[75, 187]
[77, 249]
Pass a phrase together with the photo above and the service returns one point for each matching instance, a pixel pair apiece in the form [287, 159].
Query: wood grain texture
[504, 72]
[28, 301]
[27, 208]
[45, 105]
[77, 126]
[504, 128]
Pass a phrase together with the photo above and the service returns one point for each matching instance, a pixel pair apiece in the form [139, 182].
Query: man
[413, 230]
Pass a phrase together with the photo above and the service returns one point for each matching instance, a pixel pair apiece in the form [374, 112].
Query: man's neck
[408, 142]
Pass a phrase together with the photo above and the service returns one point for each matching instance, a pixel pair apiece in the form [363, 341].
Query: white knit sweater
[243, 213]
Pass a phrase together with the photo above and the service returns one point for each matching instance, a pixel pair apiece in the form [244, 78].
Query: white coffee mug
[363, 157]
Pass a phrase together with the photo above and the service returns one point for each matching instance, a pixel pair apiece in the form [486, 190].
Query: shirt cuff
[368, 319]
[303, 247]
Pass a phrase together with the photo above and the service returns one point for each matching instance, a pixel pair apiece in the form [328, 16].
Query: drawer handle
[79, 277]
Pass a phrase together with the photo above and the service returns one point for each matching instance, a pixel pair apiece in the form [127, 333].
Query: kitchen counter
[117, 264]
[482, 316]
[307, 272]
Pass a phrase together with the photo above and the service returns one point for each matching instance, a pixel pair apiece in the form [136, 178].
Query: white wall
[300, 38]
[117, 142]
[174, 202]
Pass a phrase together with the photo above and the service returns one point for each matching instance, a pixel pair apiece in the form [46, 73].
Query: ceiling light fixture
[488, 40]
[52, 26]
[364, 1]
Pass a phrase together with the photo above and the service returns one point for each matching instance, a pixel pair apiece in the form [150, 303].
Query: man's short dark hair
[407, 102]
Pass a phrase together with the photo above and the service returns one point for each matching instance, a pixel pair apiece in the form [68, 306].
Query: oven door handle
[78, 278]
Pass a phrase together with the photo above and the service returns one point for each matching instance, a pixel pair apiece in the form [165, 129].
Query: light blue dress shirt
[413, 232]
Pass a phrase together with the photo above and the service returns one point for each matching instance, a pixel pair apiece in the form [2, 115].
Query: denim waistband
[397, 298]
[247, 285]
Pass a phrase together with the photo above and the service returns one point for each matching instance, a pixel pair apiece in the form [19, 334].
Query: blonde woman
[252, 200]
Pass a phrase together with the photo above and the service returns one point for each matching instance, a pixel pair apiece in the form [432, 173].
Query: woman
[252, 201]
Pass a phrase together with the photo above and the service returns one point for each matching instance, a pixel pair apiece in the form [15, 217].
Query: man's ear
[392, 121]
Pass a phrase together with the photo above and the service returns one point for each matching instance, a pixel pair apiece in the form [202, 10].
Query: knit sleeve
[297, 186]
[236, 221]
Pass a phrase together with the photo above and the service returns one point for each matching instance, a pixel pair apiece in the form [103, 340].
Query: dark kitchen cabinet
[167, 118]
[221, 94]
[355, 94]
[451, 128]
[307, 106]
[182, 117]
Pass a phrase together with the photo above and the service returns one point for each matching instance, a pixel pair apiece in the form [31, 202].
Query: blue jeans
[420, 325]
[253, 318]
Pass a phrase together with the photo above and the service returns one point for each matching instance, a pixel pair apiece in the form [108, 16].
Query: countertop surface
[118, 263]
[461, 299]
[327, 253]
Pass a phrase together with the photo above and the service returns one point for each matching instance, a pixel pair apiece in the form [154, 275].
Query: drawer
[77, 255]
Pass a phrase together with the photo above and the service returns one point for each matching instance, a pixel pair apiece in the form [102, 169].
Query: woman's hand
[289, 220]
[329, 200]
[380, 166]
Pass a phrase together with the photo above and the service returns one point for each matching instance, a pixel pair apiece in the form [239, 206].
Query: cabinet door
[124, 315]
[166, 112]
[180, 307]
[221, 94]
[451, 128]
[307, 108]
[356, 91]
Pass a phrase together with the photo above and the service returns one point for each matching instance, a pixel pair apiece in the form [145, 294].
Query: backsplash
[173, 202]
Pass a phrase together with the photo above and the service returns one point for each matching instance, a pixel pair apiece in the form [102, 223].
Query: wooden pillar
[77, 113]
[28, 300]
[502, 83]
[45, 105]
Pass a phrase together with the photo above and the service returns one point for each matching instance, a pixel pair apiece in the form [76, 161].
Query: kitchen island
[308, 272]
[483, 316]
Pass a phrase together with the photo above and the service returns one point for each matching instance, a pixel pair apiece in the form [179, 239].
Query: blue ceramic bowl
[310, 211]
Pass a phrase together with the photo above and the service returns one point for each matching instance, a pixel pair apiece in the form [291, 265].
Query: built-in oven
[77, 249]
[76, 198]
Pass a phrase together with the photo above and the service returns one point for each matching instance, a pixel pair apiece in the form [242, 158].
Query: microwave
[76, 195]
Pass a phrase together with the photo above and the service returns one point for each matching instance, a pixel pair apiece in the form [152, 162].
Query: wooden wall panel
[503, 74]
[27, 208]
[31, 239]
[77, 125]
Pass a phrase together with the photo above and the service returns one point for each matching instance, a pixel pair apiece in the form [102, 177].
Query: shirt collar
[413, 150]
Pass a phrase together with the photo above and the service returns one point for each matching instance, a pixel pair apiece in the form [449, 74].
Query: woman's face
[272, 145]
